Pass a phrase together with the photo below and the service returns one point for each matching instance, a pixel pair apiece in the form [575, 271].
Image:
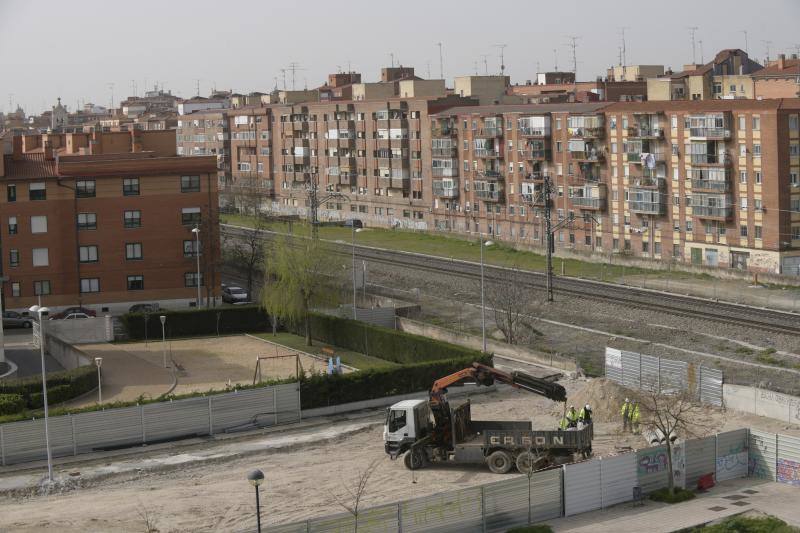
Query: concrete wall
[67, 355]
[85, 330]
[372, 91]
[500, 348]
[422, 88]
[762, 402]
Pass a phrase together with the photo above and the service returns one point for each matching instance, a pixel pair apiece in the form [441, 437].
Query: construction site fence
[656, 374]
[149, 423]
[548, 494]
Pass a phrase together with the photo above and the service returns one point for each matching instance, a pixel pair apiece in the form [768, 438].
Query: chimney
[781, 61]
[136, 140]
[48, 149]
[17, 147]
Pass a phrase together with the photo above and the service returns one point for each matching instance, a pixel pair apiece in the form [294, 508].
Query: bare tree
[150, 524]
[673, 414]
[356, 491]
[527, 463]
[245, 252]
[513, 303]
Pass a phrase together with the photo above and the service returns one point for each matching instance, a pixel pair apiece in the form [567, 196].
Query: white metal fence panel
[650, 372]
[651, 468]
[446, 512]
[181, 418]
[631, 369]
[546, 500]
[731, 455]
[287, 403]
[710, 386]
[297, 527]
[506, 503]
[374, 520]
[243, 409]
[108, 429]
[24, 441]
[614, 365]
[701, 459]
[618, 475]
[582, 487]
[788, 460]
[674, 375]
[762, 455]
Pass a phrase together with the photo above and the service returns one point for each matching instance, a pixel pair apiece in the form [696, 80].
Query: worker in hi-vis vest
[626, 415]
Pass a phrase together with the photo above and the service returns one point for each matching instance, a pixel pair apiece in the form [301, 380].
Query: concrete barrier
[80, 331]
[476, 343]
[762, 402]
[66, 354]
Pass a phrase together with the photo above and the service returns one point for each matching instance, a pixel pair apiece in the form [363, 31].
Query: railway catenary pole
[548, 229]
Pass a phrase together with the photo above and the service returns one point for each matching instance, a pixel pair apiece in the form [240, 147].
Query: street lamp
[354, 269]
[42, 311]
[163, 319]
[97, 362]
[483, 307]
[196, 232]
[256, 478]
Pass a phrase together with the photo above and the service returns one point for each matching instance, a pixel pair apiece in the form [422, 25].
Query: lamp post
[354, 272]
[163, 319]
[196, 232]
[256, 478]
[483, 306]
[41, 311]
[97, 362]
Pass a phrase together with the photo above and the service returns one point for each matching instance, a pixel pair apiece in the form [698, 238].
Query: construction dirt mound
[605, 398]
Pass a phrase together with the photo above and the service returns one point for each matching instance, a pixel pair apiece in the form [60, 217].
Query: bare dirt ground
[204, 364]
[302, 480]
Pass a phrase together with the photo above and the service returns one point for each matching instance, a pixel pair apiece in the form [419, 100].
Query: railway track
[675, 304]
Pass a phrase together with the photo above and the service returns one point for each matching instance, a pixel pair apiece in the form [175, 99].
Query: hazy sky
[75, 49]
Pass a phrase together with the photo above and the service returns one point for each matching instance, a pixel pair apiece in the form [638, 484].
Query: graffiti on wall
[735, 463]
[652, 461]
[789, 472]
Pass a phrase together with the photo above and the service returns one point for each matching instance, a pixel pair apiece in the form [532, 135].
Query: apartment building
[206, 133]
[105, 220]
[779, 79]
[708, 183]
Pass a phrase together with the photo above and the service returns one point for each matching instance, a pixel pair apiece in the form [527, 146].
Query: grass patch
[541, 528]
[664, 495]
[744, 350]
[750, 524]
[349, 357]
[766, 357]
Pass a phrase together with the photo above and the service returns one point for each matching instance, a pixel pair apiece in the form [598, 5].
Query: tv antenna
[692, 30]
[294, 67]
[767, 45]
[111, 87]
[573, 44]
[485, 64]
[624, 46]
[441, 61]
[746, 51]
[555, 58]
[283, 73]
[502, 48]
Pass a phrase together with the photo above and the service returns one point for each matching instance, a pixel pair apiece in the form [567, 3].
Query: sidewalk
[726, 499]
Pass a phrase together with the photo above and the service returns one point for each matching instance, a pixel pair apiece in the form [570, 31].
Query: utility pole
[502, 48]
[692, 30]
[441, 61]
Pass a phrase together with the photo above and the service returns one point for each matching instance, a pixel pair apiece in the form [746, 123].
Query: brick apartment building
[105, 220]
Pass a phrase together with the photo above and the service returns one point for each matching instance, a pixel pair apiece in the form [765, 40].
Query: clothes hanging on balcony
[651, 161]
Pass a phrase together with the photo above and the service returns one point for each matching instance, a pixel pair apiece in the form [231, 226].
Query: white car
[233, 295]
[73, 316]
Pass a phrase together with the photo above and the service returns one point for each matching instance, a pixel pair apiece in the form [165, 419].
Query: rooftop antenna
[502, 48]
[339, 69]
[700, 42]
[441, 61]
[283, 73]
[485, 64]
[197, 86]
[349, 68]
[391, 57]
[475, 64]
[746, 48]
[767, 44]
[574, 45]
[538, 69]
[624, 46]
[428, 64]
[294, 67]
[276, 82]
[692, 30]
[133, 87]
[305, 83]
[619, 53]
[555, 57]
[111, 86]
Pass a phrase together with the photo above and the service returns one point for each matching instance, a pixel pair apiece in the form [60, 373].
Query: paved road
[20, 350]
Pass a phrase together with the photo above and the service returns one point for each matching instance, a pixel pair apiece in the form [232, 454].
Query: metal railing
[712, 211]
[710, 159]
[712, 185]
[485, 194]
[650, 208]
[589, 203]
[719, 133]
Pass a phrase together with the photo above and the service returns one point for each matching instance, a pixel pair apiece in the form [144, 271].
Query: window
[130, 187]
[743, 230]
[15, 289]
[12, 193]
[742, 150]
[37, 191]
[190, 216]
[13, 258]
[12, 225]
[132, 219]
[190, 279]
[673, 121]
[794, 124]
[41, 288]
[756, 123]
[795, 233]
[88, 254]
[758, 176]
[190, 246]
[90, 285]
[133, 251]
[39, 224]
[756, 150]
[40, 257]
[136, 283]
[87, 221]
[742, 176]
[190, 183]
[85, 189]
[742, 122]
[758, 232]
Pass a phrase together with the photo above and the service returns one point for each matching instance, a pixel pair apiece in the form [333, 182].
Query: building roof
[701, 106]
[29, 166]
[791, 67]
[565, 107]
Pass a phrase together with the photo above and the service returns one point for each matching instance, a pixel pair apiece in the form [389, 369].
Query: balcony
[587, 203]
[443, 131]
[495, 174]
[636, 157]
[647, 201]
[710, 159]
[648, 208]
[650, 182]
[536, 175]
[595, 132]
[712, 212]
[441, 151]
[488, 132]
[490, 195]
[645, 132]
[594, 156]
[541, 154]
[526, 131]
[394, 183]
[445, 188]
[487, 152]
[710, 133]
[438, 172]
[720, 186]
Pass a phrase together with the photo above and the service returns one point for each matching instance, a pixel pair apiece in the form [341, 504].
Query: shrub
[664, 495]
[542, 528]
[751, 524]
[238, 319]
[61, 386]
[11, 403]
[384, 343]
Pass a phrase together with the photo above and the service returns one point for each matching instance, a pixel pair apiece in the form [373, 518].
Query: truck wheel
[525, 460]
[499, 462]
[413, 459]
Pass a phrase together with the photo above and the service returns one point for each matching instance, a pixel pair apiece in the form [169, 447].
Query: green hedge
[323, 390]
[238, 319]
[11, 403]
[384, 343]
[61, 386]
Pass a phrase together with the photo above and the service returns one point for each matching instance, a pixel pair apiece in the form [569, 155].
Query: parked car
[12, 319]
[144, 308]
[71, 310]
[73, 316]
[353, 223]
[234, 295]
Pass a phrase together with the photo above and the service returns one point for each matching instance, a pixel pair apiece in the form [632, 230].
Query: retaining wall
[762, 402]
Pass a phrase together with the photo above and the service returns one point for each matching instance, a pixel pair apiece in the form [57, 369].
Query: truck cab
[406, 422]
